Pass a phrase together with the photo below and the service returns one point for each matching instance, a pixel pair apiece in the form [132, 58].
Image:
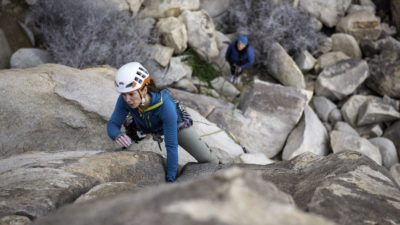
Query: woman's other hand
[124, 140]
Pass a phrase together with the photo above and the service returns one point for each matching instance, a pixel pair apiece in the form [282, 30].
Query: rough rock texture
[56, 106]
[107, 190]
[167, 8]
[272, 111]
[341, 79]
[15, 220]
[35, 184]
[282, 67]
[309, 135]
[201, 33]
[352, 105]
[229, 197]
[385, 73]
[348, 188]
[343, 142]
[360, 24]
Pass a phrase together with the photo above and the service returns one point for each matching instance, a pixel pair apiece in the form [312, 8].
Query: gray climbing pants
[192, 143]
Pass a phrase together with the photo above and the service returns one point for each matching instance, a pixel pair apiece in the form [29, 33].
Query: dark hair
[152, 87]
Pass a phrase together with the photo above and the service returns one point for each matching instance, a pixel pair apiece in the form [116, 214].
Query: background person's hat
[243, 39]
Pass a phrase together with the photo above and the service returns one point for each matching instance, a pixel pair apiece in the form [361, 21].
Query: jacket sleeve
[169, 120]
[117, 118]
[250, 54]
[228, 52]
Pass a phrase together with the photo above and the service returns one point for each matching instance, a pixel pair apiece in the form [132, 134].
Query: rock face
[309, 135]
[341, 79]
[385, 73]
[167, 8]
[64, 108]
[272, 111]
[29, 57]
[34, 184]
[283, 68]
[219, 199]
[361, 189]
[361, 25]
[201, 33]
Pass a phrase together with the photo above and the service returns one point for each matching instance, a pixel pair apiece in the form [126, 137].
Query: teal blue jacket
[161, 117]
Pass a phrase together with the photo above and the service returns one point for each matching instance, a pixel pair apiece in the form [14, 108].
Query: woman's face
[132, 98]
[240, 46]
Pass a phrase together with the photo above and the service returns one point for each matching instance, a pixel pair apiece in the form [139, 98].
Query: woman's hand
[124, 140]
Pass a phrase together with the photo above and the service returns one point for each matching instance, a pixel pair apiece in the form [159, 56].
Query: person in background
[153, 112]
[240, 55]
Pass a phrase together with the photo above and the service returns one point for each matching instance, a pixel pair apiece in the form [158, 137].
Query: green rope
[215, 132]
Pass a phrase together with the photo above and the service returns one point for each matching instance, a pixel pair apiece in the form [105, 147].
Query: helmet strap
[142, 99]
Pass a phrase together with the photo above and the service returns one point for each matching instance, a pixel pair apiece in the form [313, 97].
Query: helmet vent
[142, 69]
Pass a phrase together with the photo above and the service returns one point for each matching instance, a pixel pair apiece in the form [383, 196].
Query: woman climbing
[154, 113]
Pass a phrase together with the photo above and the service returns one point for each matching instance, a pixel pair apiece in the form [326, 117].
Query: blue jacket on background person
[244, 57]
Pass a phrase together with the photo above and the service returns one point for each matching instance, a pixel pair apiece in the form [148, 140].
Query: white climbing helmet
[130, 77]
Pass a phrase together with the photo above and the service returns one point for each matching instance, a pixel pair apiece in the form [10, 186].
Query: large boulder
[326, 11]
[272, 111]
[201, 33]
[108, 189]
[29, 57]
[305, 61]
[361, 25]
[387, 149]
[173, 34]
[329, 59]
[232, 196]
[385, 73]
[309, 135]
[55, 107]
[35, 184]
[347, 44]
[376, 111]
[351, 107]
[342, 142]
[341, 79]
[348, 188]
[161, 54]
[282, 67]
[167, 8]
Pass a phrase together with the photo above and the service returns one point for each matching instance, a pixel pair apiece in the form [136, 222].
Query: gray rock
[205, 105]
[215, 8]
[329, 59]
[347, 44]
[387, 149]
[161, 54]
[5, 52]
[345, 128]
[326, 11]
[364, 190]
[29, 57]
[201, 33]
[376, 111]
[186, 84]
[342, 142]
[167, 8]
[107, 190]
[272, 111]
[360, 24]
[209, 200]
[395, 172]
[341, 79]
[355, 8]
[384, 77]
[224, 87]
[335, 116]
[254, 158]
[15, 220]
[305, 61]
[173, 34]
[134, 5]
[370, 131]
[325, 45]
[323, 107]
[58, 102]
[176, 71]
[351, 107]
[309, 135]
[282, 67]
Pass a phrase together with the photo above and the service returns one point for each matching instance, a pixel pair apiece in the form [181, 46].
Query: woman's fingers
[124, 141]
